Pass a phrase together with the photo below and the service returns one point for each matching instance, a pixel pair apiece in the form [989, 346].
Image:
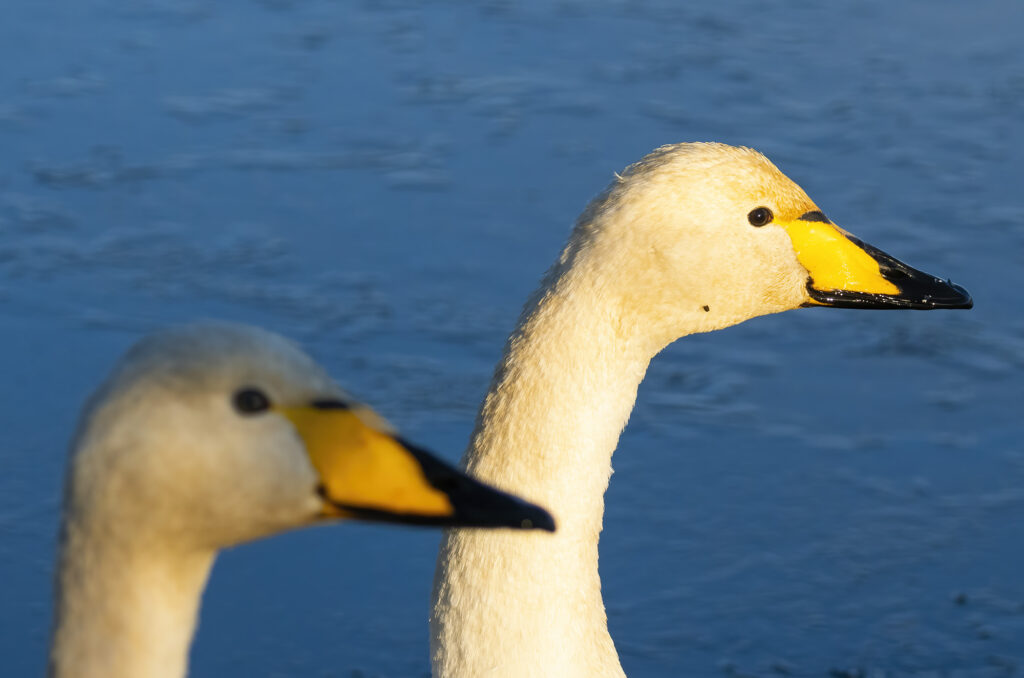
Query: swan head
[211, 435]
[718, 234]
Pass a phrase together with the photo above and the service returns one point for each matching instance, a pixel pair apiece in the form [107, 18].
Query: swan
[693, 238]
[204, 437]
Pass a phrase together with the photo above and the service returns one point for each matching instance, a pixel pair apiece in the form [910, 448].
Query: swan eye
[251, 401]
[760, 216]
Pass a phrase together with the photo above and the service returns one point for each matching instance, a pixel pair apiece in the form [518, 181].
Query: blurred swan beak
[368, 472]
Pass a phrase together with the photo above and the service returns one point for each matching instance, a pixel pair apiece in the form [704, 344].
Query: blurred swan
[693, 238]
[205, 437]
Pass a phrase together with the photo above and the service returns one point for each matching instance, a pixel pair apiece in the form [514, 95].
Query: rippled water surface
[819, 493]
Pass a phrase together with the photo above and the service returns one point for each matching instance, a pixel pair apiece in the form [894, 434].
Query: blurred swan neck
[124, 609]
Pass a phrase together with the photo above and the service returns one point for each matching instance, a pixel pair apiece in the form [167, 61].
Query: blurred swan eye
[251, 401]
[760, 216]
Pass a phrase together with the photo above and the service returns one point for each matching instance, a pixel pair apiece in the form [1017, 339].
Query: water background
[818, 493]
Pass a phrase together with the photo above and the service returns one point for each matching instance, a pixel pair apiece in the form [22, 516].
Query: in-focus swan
[693, 238]
[204, 437]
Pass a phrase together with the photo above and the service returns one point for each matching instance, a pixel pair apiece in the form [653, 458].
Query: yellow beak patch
[835, 262]
[363, 467]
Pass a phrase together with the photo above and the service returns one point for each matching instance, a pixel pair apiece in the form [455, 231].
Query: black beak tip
[537, 519]
[939, 294]
[477, 504]
[963, 298]
[485, 506]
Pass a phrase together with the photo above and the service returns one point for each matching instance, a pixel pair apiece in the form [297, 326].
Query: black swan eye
[251, 401]
[760, 216]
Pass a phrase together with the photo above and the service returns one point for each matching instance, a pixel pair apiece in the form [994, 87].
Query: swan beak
[847, 273]
[368, 472]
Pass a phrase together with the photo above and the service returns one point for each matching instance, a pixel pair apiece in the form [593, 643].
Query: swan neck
[559, 400]
[547, 430]
[124, 609]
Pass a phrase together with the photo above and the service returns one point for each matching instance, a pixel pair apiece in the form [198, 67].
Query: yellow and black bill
[846, 272]
[368, 472]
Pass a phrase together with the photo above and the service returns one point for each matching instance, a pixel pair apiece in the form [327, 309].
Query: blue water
[819, 493]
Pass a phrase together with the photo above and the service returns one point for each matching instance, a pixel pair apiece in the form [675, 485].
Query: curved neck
[559, 400]
[124, 608]
[526, 604]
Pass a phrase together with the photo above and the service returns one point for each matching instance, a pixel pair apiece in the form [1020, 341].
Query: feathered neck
[124, 607]
[528, 604]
